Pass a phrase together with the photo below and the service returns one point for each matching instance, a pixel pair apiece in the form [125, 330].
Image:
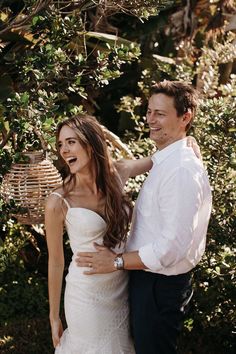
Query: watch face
[118, 263]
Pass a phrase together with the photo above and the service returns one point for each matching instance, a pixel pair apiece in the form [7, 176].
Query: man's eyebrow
[157, 110]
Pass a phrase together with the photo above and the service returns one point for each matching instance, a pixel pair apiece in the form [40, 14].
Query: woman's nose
[64, 149]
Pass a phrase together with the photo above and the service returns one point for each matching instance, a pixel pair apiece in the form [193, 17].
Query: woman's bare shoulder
[53, 201]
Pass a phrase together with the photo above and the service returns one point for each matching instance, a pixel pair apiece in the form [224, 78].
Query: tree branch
[18, 23]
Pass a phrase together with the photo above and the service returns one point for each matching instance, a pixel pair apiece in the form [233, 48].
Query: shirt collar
[161, 155]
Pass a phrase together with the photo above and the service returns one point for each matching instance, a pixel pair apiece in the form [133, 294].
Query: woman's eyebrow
[59, 141]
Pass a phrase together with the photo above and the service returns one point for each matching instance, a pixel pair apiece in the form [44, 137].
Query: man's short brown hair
[184, 95]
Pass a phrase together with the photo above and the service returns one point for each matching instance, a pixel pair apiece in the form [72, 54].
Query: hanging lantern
[28, 185]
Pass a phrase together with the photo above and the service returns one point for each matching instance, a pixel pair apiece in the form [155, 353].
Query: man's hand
[99, 262]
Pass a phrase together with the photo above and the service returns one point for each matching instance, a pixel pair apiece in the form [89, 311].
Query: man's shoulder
[183, 155]
[182, 160]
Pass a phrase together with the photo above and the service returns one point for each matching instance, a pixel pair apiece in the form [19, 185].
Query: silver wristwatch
[119, 262]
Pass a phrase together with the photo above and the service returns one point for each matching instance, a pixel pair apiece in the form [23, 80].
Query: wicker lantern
[28, 184]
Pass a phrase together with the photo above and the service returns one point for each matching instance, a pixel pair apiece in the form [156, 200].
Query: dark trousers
[157, 304]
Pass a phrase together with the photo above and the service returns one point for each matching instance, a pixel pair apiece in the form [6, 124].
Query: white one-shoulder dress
[96, 306]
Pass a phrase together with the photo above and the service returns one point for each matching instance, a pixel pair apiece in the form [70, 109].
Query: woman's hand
[191, 142]
[57, 330]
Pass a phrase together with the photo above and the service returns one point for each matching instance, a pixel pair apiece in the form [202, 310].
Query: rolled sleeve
[149, 258]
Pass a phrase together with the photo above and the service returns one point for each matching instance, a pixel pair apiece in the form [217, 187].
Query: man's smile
[155, 129]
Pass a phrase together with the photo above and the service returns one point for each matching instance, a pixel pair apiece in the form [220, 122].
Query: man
[169, 225]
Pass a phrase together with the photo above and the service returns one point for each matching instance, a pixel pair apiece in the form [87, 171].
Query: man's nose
[150, 118]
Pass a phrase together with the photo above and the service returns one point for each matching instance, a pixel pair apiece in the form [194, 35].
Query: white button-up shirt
[172, 212]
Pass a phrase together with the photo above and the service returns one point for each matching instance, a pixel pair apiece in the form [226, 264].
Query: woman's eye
[71, 142]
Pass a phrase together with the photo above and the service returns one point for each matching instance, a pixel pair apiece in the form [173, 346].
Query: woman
[92, 206]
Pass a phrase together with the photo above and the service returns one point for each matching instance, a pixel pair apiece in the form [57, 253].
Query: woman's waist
[83, 247]
[76, 275]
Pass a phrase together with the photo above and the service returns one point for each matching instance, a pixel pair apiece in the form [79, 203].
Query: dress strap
[60, 196]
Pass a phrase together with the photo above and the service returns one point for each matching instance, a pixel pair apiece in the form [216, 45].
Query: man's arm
[180, 200]
[102, 261]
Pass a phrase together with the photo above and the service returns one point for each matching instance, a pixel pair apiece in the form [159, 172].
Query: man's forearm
[132, 261]
[102, 261]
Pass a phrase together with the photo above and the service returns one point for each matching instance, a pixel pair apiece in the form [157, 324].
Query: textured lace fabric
[96, 306]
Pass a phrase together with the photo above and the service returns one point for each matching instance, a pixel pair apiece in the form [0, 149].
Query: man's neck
[163, 146]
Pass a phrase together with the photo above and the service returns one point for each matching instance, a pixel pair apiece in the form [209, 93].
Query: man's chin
[154, 136]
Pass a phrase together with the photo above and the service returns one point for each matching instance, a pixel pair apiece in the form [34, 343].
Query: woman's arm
[54, 221]
[131, 168]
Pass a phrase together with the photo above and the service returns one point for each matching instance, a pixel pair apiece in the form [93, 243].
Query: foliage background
[58, 58]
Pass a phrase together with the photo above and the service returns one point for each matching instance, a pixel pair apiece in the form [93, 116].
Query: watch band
[119, 262]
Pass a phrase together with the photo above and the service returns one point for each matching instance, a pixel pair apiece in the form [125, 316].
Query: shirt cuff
[149, 258]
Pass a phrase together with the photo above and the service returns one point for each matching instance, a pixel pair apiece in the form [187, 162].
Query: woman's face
[73, 153]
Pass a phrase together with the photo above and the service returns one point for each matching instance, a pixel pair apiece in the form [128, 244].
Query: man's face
[165, 126]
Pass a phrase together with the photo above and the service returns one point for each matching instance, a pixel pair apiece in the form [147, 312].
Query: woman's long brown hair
[118, 208]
